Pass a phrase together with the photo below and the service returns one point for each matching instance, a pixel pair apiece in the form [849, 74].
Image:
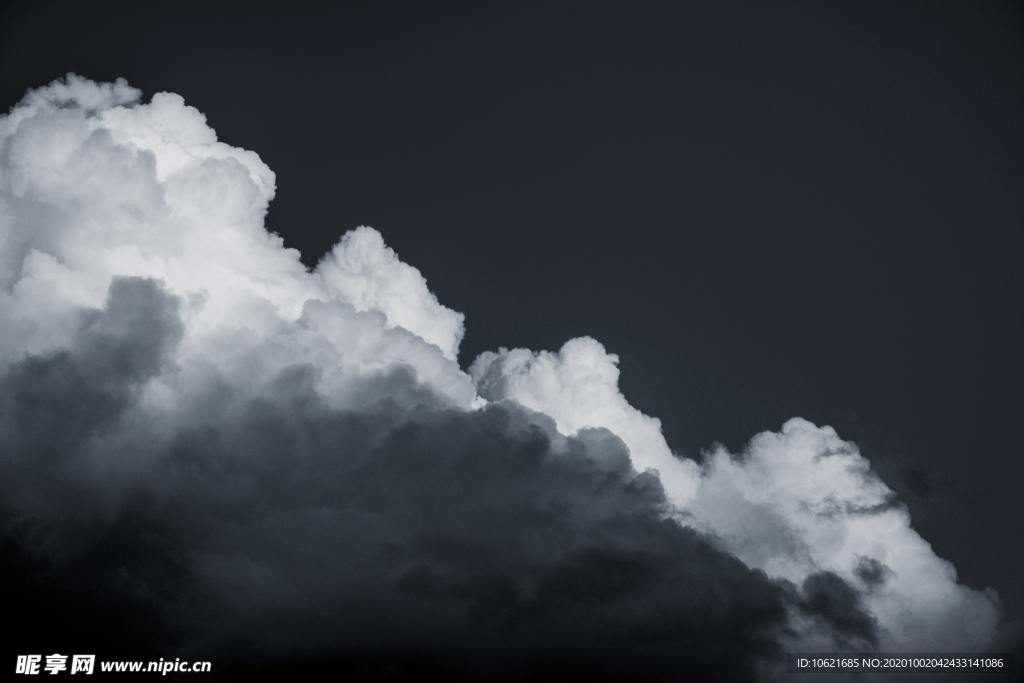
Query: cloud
[796, 503]
[579, 387]
[803, 500]
[270, 526]
[239, 455]
[365, 272]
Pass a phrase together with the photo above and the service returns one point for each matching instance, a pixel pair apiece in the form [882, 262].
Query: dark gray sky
[807, 209]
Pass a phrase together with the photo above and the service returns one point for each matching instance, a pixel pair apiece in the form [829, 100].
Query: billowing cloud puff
[364, 272]
[803, 500]
[796, 503]
[579, 387]
[247, 456]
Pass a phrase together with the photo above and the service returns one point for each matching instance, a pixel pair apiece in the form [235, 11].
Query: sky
[804, 210]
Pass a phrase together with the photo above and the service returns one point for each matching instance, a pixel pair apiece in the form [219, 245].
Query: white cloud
[365, 272]
[578, 387]
[802, 500]
[95, 184]
[797, 502]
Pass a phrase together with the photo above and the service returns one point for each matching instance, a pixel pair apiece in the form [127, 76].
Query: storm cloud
[221, 453]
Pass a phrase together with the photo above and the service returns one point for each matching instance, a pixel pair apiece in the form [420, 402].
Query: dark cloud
[53, 407]
[271, 528]
[872, 572]
[268, 466]
[832, 600]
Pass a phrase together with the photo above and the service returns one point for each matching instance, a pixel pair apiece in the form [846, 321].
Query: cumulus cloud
[579, 387]
[366, 273]
[794, 504]
[249, 456]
